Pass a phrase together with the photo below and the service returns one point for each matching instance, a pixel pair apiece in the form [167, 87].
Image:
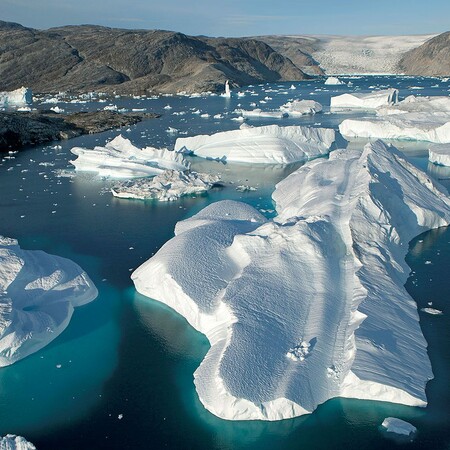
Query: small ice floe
[204, 116]
[57, 109]
[167, 107]
[333, 81]
[432, 311]
[301, 107]
[120, 416]
[292, 87]
[168, 186]
[110, 108]
[171, 130]
[245, 188]
[260, 113]
[398, 426]
[218, 116]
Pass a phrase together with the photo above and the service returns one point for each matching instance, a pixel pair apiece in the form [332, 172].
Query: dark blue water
[124, 354]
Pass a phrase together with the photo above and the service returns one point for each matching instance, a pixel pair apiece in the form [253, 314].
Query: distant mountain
[87, 57]
[345, 55]
[430, 59]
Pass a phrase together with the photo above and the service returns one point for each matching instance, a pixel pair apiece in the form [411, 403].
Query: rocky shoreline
[20, 129]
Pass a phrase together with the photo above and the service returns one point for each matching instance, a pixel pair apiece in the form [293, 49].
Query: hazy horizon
[236, 19]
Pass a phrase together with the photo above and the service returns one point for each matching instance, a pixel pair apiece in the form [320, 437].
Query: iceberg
[121, 159]
[371, 100]
[413, 104]
[431, 127]
[38, 293]
[20, 97]
[227, 93]
[398, 426]
[168, 186]
[333, 81]
[301, 107]
[310, 305]
[13, 442]
[260, 113]
[439, 154]
[269, 144]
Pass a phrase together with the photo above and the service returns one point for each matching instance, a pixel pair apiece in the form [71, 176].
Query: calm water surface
[125, 354]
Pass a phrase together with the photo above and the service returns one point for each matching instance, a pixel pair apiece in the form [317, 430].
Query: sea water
[121, 375]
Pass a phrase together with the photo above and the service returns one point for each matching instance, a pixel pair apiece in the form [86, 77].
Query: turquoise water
[126, 354]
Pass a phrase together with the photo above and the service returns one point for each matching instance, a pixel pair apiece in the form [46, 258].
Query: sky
[239, 17]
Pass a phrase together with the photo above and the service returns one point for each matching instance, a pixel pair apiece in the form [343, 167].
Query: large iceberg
[432, 127]
[439, 154]
[414, 104]
[38, 293]
[13, 442]
[119, 158]
[310, 305]
[269, 144]
[301, 107]
[371, 100]
[20, 97]
[333, 81]
[168, 186]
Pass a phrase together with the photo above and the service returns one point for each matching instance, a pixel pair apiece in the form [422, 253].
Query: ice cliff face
[38, 293]
[13, 442]
[310, 305]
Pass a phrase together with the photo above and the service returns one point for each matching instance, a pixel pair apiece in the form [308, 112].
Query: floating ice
[269, 144]
[260, 113]
[20, 97]
[413, 104]
[38, 293]
[398, 426]
[121, 159]
[432, 127]
[310, 305]
[13, 442]
[432, 311]
[439, 154]
[168, 186]
[301, 107]
[333, 81]
[371, 100]
[227, 92]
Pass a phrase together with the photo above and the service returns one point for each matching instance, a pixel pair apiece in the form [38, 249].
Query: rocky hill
[87, 57]
[430, 59]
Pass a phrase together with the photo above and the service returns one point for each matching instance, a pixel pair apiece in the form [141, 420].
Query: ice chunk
[260, 113]
[432, 127]
[371, 100]
[398, 426]
[20, 97]
[439, 154]
[432, 311]
[413, 104]
[301, 107]
[13, 442]
[121, 159]
[269, 144]
[310, 305]
[38, 293]
[333, 81]
[227, 92]
[168, 186]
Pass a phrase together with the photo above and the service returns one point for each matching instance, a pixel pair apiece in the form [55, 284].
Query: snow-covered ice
[13, 442]
[261, 113]
[333, 81]
[119, 158]
[168, 186]
[310, 305]
[414, 104]
[38, 293]
[398, 426]
[431, 127]
[269, 144]
[439, 154]
[19, 97]
[301, 107]
[370, 100]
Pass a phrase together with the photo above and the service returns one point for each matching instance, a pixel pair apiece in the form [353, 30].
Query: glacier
[270, 144]
[38, 294]
[371, 100]
[13, 442]
[19, 97]
[167, 186]
[119, 158]
[310, 305]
